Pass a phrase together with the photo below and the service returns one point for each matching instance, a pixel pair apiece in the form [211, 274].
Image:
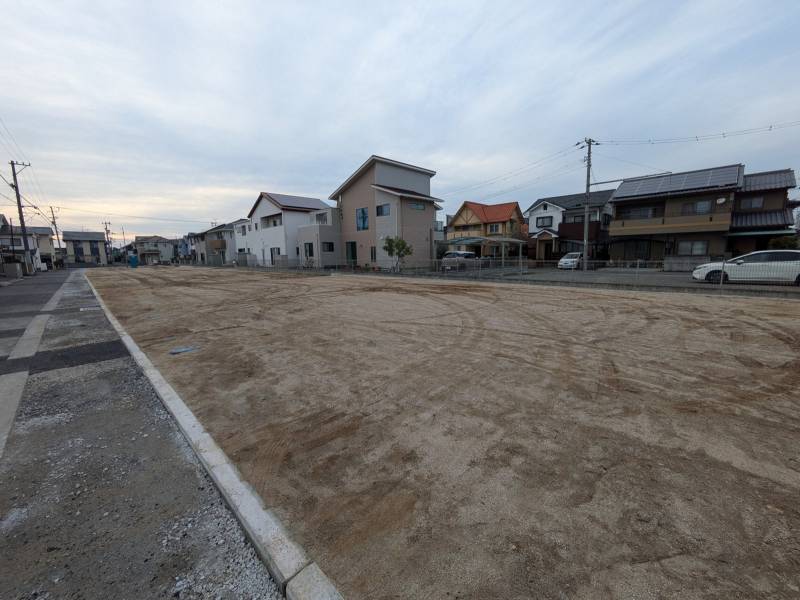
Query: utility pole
[28, 264]
[584, 262]
[106, 224]
[55, 226]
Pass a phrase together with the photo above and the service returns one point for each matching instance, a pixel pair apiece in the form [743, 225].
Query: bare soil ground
[428, 439]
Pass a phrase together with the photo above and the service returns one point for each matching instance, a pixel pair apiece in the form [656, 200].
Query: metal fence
[716, 276]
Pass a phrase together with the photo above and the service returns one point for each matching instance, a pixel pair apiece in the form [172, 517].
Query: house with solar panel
[685, 219]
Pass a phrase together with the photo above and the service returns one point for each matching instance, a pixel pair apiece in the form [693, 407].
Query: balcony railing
[678, 224]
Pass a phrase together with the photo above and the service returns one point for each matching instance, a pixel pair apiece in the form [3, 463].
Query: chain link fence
[771, 272]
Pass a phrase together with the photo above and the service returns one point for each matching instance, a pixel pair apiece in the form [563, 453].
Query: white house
[555, 224]
[273, 224]
[242, 241]
[220, 245]
[40, 244]
[320, 239]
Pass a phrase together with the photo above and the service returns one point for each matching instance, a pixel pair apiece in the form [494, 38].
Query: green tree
[398, 249]
[786, 242]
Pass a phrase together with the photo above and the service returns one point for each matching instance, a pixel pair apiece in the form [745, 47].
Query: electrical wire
[569, 168]
[631, 162]
[701, 138]
[515, 172]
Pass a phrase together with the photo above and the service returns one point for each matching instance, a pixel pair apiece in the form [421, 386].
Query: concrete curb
[286, 561]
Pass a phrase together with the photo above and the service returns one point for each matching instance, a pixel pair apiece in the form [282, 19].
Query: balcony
[217, 244]
[719, 221]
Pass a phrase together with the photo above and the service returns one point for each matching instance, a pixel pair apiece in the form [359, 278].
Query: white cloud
[189, 109]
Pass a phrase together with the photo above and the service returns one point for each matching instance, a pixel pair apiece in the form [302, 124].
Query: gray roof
[285, 201]
[570, 201]
[371, 161]
[727, 177]
[767, 218]
[17, 230]
[83, 236]
[769, 180]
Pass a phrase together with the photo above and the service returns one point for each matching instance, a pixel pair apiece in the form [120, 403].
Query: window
[249, 227]
[244, 230]
[752, 203]
[297, 250]
[785, 256]
[417, 205]
[692, 248]
[362, 219]
[573, 219]
[640, 212]
[544, 207]
[256, 226]
[606, 220]
[94, 248]
[327, 246]
[494, 227]
[544, 221]
[701, 207]
[373, 255]
[272, 221]
[382, 210]
[321, 218]
[308, 247]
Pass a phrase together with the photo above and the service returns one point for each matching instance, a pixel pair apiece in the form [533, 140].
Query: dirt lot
[429, 439]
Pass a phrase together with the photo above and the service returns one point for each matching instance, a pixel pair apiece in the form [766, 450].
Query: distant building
[272, 227]
[688, 218]
[386, 198]
[85, 247]
[40, 244]
[154, 249]
[555, 225]
[487, 229]
[320, 239]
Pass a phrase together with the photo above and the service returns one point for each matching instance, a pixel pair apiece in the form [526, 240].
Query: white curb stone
[311, 584]
[285, 560]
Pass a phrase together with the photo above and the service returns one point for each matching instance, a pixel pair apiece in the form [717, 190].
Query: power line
[515, 172]
[568, 168]
[701, 138]
[94, 212]
[631, 162]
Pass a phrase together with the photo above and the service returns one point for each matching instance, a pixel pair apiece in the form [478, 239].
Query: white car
[570, 261]
[765, 266]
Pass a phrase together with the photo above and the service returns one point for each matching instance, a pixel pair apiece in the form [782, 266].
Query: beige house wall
[416, 228]
[360, 194]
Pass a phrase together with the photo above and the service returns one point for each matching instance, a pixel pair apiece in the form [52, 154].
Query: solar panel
[719, 177]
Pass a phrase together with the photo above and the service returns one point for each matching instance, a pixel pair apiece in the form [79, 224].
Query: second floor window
[321, 218]
[244, 230]
[94, 248]
[327, 246]
[639, 212]
[573, 219]
[362, 219]
[382, 210]
[701, 207]
[494, 227]
[417, 205]
[544, 221]
[751, 203]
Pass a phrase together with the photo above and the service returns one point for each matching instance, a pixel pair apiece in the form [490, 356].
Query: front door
[351, 253]
[274, 253]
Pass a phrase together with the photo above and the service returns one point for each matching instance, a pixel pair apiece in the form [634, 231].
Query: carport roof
[475, 240]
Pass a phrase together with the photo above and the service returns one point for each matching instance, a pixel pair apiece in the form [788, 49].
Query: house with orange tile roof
[474, 220]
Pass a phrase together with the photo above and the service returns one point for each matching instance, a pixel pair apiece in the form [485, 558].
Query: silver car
[459, 260]
[765, 266]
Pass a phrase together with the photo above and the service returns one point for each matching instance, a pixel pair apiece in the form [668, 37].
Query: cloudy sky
[165, 116]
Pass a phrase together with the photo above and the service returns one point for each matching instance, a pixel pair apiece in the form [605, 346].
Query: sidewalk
[100, 495]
